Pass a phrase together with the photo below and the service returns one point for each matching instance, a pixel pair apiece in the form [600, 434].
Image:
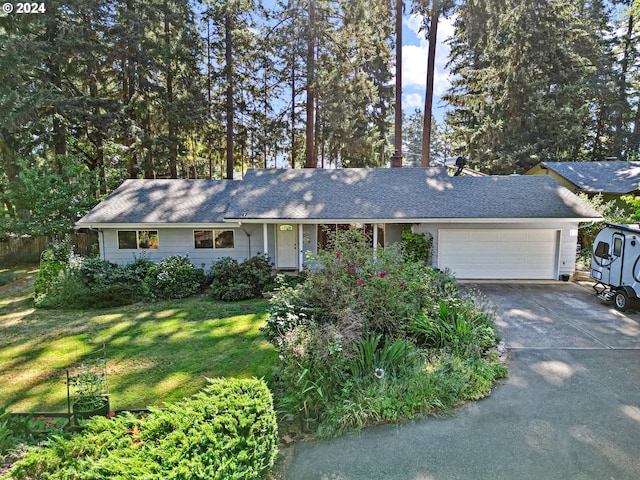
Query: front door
[286, 246]
[615, 268]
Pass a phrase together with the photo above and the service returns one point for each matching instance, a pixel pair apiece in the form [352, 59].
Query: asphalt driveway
[570, 408]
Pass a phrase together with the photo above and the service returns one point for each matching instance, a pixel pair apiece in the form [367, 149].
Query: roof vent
[460, 163]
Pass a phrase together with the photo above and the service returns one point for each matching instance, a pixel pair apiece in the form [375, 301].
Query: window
[213, 239]
[127, 240]
[325, 231]
[147, 239]
[134, 239]
[602, 250]
[224, 238]
[617, 247]
[203, 238]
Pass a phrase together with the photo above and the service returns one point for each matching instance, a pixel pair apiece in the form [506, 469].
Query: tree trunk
[228, 25]
[171, 123]
[59, 132]
[622, 91]
[428, 101]
[98, 140]
[310, 160]
[293, 109]
[129, 86]
[397, 157]
[634, 141]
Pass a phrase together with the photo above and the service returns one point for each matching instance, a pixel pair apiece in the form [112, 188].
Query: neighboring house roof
[596, 177]
[164, 202]
[399, 194]
[316, 196]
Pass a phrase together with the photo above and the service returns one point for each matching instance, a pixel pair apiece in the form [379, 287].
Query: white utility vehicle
[615, 264]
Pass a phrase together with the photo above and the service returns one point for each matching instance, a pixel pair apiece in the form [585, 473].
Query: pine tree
[431, 12]
[524, 86]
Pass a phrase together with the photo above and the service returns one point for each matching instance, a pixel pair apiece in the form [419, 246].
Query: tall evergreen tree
[431, 11]
[524, 84]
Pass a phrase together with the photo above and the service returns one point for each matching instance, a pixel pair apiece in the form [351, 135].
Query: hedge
[226, 431]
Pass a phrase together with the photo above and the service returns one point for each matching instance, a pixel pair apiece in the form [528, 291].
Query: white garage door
[499, 254]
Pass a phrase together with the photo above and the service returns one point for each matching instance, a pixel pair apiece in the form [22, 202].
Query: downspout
[591, 223]
[101, 242]
[248, 237]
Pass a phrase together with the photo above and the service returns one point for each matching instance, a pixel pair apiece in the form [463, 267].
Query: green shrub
[174, 277]
[232, 281]
[234, 293]
[227, 431]
[7, 437]
[417, 246]
[282, 280]
[24, 429]
[94, 283]
[287, 309]
[51, 269]
[369, 338]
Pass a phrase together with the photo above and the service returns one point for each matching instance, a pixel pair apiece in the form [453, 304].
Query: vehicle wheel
[621, 300]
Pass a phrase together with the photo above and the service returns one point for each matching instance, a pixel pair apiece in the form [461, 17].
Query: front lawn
[157, 352]
[10, 275]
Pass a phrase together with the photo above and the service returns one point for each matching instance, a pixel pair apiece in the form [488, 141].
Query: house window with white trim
[135, 239]
[218, 239]
[203, 238]
[324, 232]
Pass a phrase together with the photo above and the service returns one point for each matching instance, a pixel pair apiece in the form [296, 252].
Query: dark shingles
[604, 177]
[164, 201]
[346, 194]
[408, 193]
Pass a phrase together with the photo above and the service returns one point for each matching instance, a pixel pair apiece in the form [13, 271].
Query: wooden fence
[27, 250]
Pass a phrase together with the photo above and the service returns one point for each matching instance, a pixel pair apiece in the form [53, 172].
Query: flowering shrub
[233, 281]
[363, 327]
[93, 283]
[23, 429]
[47, 424]
[174, 277]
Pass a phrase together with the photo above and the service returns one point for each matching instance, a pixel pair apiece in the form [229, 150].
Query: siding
[392, 233]
[567, 248]
[179, 241]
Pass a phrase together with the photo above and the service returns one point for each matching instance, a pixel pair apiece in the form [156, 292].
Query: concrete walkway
[570, 408]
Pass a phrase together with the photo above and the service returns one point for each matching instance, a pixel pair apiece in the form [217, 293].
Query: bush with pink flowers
[368, 325]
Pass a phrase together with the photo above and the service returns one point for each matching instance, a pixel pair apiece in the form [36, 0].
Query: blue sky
[414, 62]
[414, 65]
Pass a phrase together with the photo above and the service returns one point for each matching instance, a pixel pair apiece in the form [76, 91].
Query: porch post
[265, 240]
[300, 248]
[375, 237]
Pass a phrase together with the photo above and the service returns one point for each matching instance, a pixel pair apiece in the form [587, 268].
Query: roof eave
[635, 191]
[102, 225]
[313, 221]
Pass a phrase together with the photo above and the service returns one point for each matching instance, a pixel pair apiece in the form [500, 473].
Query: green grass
[10, 275]
[157, 352]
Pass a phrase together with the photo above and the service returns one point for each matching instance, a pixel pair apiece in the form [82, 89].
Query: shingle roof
[403, 193]
[604, 177]
[164, 201]
[346, 194]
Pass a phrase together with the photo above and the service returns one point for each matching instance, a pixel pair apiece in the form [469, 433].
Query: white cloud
[411, 101]
[414, 22]
[414, 57]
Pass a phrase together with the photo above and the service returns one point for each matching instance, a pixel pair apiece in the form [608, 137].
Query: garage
[499, 253]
